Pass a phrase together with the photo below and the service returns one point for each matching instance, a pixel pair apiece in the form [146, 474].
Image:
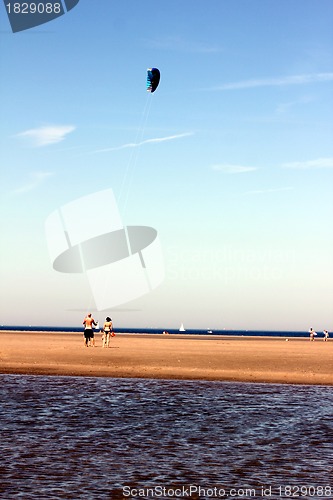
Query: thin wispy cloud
[43, 136]
[269, 191]
[286, 107]
[277, 81]
[36, 179]
[310, 164]
[180, 44]
[155, 140]
[227, 168]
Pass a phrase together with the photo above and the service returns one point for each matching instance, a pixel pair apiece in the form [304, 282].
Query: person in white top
[312, 334]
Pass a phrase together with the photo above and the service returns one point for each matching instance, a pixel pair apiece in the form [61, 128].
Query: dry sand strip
[184, 357]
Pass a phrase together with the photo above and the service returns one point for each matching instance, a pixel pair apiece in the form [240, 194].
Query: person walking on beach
[312, 334]
[107, 331]
[326, 335]
[89, 336]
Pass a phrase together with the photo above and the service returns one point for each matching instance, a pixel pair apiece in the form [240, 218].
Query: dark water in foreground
[103, 438]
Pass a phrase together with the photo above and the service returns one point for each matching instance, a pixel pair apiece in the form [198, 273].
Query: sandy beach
[243, 359]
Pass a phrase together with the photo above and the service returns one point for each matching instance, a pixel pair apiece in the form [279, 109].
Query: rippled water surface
[102, 438]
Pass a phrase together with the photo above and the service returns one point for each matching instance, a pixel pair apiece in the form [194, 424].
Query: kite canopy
[153, 79]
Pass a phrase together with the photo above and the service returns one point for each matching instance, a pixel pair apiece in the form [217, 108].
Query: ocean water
[104, 438]
[244, 333]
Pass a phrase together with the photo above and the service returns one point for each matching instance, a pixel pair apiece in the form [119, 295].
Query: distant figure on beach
[312, 334]
[326, 335]
[89, 336]
[107, 332]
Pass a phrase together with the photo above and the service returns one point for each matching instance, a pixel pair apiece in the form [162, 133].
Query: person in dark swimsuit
[89, 336]
[107, 331]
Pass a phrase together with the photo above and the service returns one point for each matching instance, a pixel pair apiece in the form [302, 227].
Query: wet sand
[242, 359]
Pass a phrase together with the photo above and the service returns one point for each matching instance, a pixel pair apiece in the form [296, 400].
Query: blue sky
[230, 160]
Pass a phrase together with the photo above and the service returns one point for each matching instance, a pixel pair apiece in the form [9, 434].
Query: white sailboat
[181, 328]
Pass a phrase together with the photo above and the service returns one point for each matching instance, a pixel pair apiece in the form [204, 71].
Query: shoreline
[157, 356]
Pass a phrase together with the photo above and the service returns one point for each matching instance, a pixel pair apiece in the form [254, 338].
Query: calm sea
[103, 438]
[247, 333]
